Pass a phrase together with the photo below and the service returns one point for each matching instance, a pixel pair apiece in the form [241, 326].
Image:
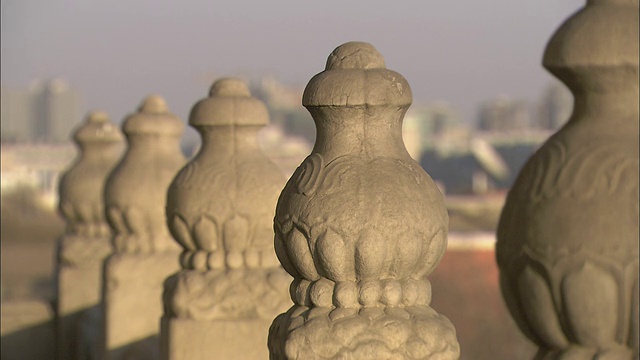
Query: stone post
[87, 241]
[568, 235]
[144, 254]
[360, 225]
[220, 208]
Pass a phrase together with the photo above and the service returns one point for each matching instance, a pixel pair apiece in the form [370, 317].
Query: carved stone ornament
[136, 190]
[360, 225]
[82, 190]
[220, 209]
[87, 241]
[568, 235]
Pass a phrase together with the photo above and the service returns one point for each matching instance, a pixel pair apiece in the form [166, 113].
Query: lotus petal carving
[591, 301]
[205, 234]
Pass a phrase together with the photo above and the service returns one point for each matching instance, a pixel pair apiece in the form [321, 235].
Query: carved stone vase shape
[220, 209]
[82, 186]
[360, 225]
[87, 240]
[136, 190]
[144, 252]
[568, 235]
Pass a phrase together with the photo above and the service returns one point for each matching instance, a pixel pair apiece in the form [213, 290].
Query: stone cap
[229, 103]
[97, 128]
[603, 34]
[153, 117]
[356, 75]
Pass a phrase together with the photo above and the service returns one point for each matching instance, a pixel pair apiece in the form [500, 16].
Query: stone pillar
[568, 235]
[87, 241]
[145, 254]
[360, 225]
[220, 208]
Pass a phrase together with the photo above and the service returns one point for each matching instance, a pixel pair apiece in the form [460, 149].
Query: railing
[221, 258]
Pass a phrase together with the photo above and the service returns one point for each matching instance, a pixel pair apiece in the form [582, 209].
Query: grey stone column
[568, 235]
[145, 254]
[87, 240]
[220, 208]
[360, 225]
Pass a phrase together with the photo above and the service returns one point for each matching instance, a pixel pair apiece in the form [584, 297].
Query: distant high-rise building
[56, 111]
[45, 112]
[424, 123]
[555, 107]
[504, 114]
[284, 104]
[16, 115]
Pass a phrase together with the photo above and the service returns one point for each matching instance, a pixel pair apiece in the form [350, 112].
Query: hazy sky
[116, 52]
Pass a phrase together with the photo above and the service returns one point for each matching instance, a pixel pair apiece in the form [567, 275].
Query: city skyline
[117, 53]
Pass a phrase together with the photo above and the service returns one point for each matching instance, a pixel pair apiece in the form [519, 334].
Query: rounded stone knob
[356, 75]
[153, 117]
[229, 103]
[355, 55]
[97, 128]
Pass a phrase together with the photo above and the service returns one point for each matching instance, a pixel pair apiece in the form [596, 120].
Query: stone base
[133, 302]
[412, 332]
[79, 287]
[186, 339]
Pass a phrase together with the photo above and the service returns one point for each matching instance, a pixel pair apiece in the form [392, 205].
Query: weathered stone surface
[568, 235]
[87, 242]
[184, 338]
[136, 190]
[133, 303]
[220, 208]
[145, 254]
[360, 225]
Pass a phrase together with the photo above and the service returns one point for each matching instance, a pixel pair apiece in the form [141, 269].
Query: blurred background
[482, 105]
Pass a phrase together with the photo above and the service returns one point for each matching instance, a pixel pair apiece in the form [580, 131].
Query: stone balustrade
[87, 241]
[360, 225]
[568, 236]
[220, 209]
[193, 269]
[144, 252]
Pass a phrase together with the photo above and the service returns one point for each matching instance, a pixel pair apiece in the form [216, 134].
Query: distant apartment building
[504, 114]
[46, 112]
[488, 161]
[17, 110]
[284, 103]
[555, 107]
[424, 126]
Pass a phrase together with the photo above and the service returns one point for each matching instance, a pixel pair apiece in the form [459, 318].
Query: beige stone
[220, 208]
[87, 241]
[145, 254]
[568, 235]
[184, 338]
[360, 225]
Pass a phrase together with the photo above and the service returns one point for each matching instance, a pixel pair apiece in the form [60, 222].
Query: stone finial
[220, 209]
[568, 234]
[359, 225]
[82, 186]
[82, 249]
[135, 193]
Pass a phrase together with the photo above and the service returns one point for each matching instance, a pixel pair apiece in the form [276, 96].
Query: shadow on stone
[145, 349]
[27, 330]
